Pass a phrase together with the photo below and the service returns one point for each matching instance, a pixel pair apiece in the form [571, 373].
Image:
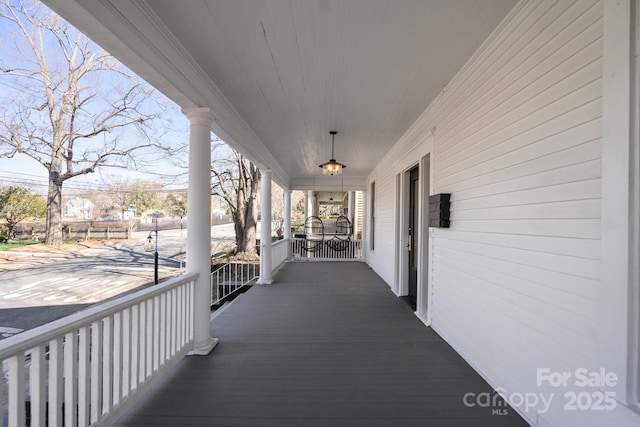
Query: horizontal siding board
[498, 61]
[589, 249]
[527, 323]
[581, 267]
[503, 76]
[511, 359]
[543, 92]
[575, 310]
[522, 123]
[531, 314]
[573, 228]
[537, 156]
[579, 190]
[563, 210]
[543, 132]
[499, 324]
[586, 171]
[544, 278]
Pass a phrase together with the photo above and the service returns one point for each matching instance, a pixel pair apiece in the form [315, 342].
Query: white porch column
[356, 215]
[199, 226]
[287, 221]
[306, 205]
[265, 228]
[287, 214]
[311, 204]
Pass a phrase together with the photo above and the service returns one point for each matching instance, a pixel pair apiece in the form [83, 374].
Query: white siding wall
[518, 142]
[384, 227]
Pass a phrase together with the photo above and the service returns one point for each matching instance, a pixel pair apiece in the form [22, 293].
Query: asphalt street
[36, 288]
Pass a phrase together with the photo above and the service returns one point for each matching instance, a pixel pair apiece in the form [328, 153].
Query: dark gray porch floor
[328, 344]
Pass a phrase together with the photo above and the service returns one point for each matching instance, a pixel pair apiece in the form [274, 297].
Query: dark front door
[414, 188]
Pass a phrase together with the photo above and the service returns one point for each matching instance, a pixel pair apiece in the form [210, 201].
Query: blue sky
[172, 130]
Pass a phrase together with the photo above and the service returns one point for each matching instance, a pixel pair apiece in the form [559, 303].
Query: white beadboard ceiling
[278, 75]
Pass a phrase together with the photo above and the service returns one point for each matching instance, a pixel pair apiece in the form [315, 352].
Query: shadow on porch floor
[328, 344]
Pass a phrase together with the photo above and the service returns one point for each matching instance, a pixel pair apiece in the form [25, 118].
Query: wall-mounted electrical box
[439, 208]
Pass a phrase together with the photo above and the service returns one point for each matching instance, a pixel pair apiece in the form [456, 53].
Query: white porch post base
[203, 348]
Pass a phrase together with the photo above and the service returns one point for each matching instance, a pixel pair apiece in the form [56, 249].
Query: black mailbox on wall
[439, 208]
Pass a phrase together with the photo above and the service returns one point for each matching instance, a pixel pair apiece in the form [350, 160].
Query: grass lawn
[16, 244]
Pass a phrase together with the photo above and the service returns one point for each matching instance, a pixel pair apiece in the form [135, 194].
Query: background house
[78, 208]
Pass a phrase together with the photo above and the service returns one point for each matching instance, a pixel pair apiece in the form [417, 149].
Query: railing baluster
[84, 375]
[190, 286]
[96, 371]
[169, 325]
[55, 382]
[117, 338]
[183, 323]
[70, 379]
[163, 328]
[127, 351]
[179, 319]
[185, 311]
[217, 281]
[4, 393]
[174, 327]
[37, 385]
[156, 333]
[135, 345]
[143, 341]
[149, 332]
[16, 390]
[107, 364]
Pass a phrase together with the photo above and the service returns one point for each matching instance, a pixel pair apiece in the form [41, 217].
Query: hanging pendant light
[332, 167]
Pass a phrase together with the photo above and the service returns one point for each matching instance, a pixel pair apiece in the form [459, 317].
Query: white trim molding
[634, 214]
[619, 299]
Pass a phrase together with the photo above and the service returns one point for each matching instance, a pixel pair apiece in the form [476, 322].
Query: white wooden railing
[279, 253]
[325, 250]
[90, 367]
[231, 277]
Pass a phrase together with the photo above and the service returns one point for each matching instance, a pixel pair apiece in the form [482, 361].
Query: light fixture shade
[332, 167]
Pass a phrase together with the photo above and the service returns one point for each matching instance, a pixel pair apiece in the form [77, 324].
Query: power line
[80, 188]
[11, 86]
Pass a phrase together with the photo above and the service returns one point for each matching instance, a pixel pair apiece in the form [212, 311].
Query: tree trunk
[54, 211]
[238, 227]
[251, 220]
[246, 216]
[245, 226]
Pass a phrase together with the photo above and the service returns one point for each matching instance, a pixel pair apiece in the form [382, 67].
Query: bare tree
[73, 108]
[237, 182]
[277, 208]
